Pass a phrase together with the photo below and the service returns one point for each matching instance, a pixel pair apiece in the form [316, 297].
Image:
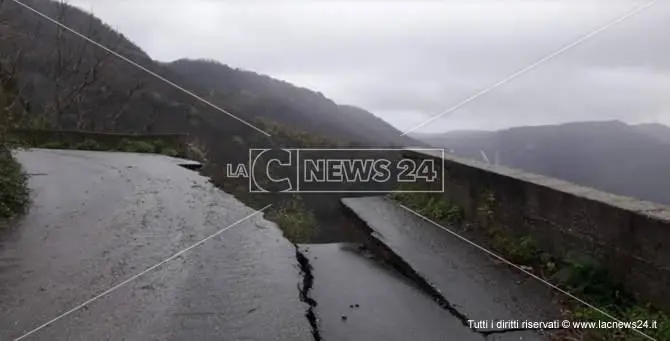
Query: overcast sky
[408, 60]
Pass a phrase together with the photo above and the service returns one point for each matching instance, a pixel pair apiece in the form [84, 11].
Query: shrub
[54, 145]
[298, 223]
[14, 194]
[585, 277]
[136, 146]
[434, 207]
[159, 146]
[88, 144]
[524, 251]
[169, 152]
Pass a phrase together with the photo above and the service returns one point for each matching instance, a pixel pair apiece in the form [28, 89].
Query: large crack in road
[305, 292]
[460, 279]
[99, 218]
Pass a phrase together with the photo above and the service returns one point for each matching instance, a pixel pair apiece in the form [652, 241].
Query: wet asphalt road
[97, 219]
[476, 285]
[390, 307]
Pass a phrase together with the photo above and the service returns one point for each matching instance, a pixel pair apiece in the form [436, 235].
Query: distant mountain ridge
[656, 130]
[631, 160]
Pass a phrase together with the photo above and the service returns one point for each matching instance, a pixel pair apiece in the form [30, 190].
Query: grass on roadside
[298, 223]
[431, 206]
[581, 276]
[14, 193]
[125, 145]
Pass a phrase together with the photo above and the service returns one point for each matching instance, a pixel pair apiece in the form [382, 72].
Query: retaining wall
[630, 237]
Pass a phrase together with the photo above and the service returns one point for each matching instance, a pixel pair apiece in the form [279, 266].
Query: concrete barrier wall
[630, 237]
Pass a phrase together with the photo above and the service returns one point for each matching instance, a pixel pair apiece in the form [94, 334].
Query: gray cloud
[407, 61]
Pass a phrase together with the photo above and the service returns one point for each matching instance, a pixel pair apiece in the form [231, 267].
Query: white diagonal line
[188, 92]
[533, 65]
[491, 253]
[106, 292]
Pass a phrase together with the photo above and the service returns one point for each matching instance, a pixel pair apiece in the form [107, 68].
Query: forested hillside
[65, 82]
[251, 94]
[73, 84]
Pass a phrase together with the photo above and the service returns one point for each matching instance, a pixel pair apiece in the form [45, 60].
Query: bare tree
[73, 71]
[73, 93]
[12, 106]
[110, 122]
[149, 126]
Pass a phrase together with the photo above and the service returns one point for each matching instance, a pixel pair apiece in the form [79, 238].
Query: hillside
[632, 160]
[658, 131]
[64, 82]
[53, 65]
[256, 95]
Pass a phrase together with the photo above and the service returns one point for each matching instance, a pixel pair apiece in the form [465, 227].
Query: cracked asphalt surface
[472, 284]
[360, 299]
[99, 218]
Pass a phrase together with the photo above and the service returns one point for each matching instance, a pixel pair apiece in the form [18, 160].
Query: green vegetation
[155, 146]
[587, 279]
[432, 206]
[580, 275]
[297, 222]
[592, 283]
[169, 152]
[136, 146]
[287, 136]
[631, 314]
[54, 145]
[88, 144]
[14, 194]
